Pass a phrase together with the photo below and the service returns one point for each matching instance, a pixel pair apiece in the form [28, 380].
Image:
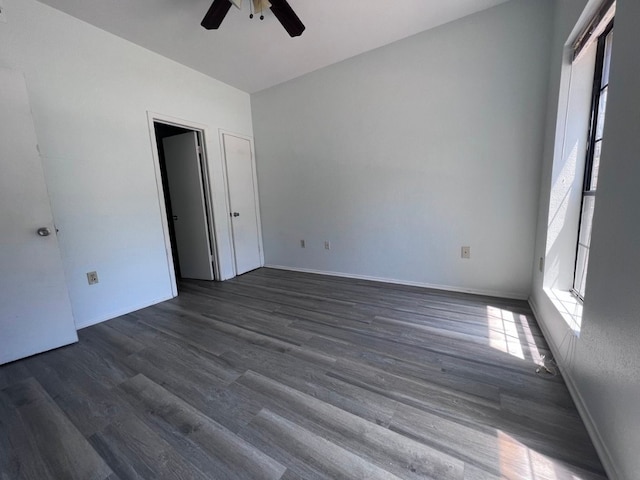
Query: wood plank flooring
[283, 375]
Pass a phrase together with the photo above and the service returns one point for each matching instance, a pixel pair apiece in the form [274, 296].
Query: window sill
[569, 306]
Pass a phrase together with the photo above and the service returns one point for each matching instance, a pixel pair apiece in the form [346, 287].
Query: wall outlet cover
[92, 278]
[465, 252]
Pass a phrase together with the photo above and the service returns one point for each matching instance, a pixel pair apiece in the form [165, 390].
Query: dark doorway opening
[162, 132]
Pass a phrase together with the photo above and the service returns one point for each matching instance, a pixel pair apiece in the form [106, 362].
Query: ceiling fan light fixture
[261, 5]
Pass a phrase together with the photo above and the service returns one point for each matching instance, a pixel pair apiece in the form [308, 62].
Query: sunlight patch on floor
[511, 333]
[530, 341]
[503, 333]
[517, 461]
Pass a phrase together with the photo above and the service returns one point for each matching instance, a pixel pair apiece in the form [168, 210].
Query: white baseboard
[587, 419]
[448, 288]
[119, 312]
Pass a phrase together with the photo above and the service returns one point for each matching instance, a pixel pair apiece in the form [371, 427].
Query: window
[592, 163]
[582, 103]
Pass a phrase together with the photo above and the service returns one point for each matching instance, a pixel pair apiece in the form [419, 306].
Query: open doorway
[185, 186]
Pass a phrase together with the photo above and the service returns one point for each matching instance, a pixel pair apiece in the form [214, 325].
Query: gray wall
[602, 364]
[402, 155]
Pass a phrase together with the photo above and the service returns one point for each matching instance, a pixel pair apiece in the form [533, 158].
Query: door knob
[235, 214]
[44, 232]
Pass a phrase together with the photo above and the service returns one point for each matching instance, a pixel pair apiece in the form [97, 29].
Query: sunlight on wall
[562, 193]
[569, 307]
[552, 271]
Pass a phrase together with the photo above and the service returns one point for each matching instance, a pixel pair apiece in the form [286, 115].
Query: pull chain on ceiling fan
[280, 8]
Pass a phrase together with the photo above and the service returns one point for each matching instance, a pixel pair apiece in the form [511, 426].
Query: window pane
[602, 107]
[586, 221]
[607, 59]
[584, 243]
[581, 270]
[598, 112]
[595, 166]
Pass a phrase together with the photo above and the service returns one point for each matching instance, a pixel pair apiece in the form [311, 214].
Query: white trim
[447, 288]
[203, 132]
[206, 181]
[161, 205]
[256, 196]
[227, 200]
[120, 312]
[587, 419]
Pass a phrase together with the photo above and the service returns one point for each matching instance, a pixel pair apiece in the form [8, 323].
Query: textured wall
[602, 363]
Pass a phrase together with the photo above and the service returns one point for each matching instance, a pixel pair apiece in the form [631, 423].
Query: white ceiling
[252, 54]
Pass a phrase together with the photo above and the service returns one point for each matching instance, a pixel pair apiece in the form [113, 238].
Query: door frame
[256, 197]
[204, 132]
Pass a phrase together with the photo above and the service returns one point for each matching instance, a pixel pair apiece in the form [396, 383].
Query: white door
[184, 175]
[243, 202]
[35, 311]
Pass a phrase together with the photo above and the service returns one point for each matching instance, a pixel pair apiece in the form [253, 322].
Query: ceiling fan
[280, 8]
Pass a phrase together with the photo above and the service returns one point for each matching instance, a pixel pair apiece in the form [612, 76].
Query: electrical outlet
[327, 245]
[465, 252]
[92, 278]
[303, 244]
[3, 14]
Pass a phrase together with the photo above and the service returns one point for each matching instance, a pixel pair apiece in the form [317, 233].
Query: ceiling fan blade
[287, 17]
[216, 14]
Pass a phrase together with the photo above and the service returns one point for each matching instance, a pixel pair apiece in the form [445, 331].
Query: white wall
[402, 155]
[90, 92]
[601, 365]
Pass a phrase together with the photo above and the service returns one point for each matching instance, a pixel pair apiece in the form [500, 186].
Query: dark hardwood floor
[282, 375]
